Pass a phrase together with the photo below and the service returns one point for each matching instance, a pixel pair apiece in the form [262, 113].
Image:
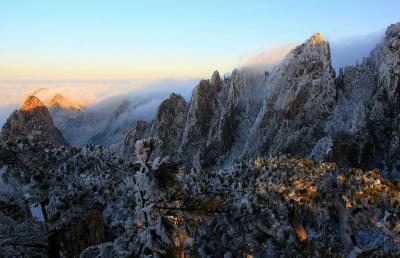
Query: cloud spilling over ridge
[267, 58]
[345, 51]
[102, 96]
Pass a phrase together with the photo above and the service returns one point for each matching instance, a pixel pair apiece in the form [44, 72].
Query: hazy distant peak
[61, 101]
[31, 102]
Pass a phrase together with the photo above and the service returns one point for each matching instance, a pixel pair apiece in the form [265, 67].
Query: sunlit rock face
[60, 101]
[32, 122]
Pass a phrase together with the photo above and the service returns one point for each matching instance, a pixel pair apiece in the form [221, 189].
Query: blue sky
[155, 39]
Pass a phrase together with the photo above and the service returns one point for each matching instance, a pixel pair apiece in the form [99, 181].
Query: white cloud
[100, 95]
[267, 58]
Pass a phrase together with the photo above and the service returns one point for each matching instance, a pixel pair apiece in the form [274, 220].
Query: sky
[121, 40]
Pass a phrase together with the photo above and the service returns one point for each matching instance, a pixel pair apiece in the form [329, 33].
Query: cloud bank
[101, 96]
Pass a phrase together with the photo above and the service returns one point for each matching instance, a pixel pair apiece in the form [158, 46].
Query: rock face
[169, 135]
[59, 101]
[364, 129]
[214, 123]
[300, 98]
[167, 128]
[33, 122]
[138, 132]
[298, 107]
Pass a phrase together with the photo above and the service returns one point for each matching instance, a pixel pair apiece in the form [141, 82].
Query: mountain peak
[31, 102]
[317, 38]
[216, 79]
[61, 101]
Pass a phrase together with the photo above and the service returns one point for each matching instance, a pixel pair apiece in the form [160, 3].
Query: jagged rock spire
[216, 80]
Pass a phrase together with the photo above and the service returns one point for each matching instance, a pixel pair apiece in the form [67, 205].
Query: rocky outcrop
[32, 122]
[300, 99]
[169, 124]
[249, 114]
[364, 130]
[299, 107]
[167, 128]
[213, 126]
[202, 109]
[140, 131]
[244, 94]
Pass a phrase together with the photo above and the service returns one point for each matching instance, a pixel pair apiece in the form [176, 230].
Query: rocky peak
[298, 107]
[299, 100]
[32, 122]
[317, 38]
[31, 103]
[60, 101]
[392, 35]
[387, 60]
[139, 131]
[167, 128]
[169, 124]
[316, 49]
[216, 81]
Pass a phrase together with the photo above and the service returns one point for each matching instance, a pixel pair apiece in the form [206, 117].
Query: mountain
[300, 97]
[59, 101]
[64, 112]
[254, 165]
[33, 122]
[299, 107]
[104, 123]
